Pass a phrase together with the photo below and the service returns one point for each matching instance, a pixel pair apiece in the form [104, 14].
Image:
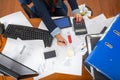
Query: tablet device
[63, 22]
[13, 68]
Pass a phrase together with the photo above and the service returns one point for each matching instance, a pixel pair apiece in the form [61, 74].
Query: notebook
[105, 56]
[13, 68]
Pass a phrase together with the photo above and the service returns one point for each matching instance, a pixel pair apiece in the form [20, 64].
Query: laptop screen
[14, 68]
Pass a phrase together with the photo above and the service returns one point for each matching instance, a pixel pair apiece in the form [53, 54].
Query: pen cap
[69, 37]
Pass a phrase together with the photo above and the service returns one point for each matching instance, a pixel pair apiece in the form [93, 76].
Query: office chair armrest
[28, 11]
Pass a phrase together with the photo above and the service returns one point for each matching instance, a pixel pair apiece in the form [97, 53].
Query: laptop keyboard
[28, 33]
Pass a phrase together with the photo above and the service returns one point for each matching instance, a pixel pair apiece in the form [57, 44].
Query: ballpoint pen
[62, 41]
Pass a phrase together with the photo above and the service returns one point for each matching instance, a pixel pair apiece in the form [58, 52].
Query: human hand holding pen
[60, 40]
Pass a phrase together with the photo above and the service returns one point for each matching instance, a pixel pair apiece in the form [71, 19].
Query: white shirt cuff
[76, 11]
[55, 32]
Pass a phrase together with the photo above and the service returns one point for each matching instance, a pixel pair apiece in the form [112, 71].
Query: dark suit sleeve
[73, 4]
[25, 1]
[43, 13]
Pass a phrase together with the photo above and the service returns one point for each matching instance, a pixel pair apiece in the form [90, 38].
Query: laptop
[15, 69]
[105, 56]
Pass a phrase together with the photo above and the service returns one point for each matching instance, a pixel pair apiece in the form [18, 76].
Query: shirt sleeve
[43, 13]
[55, 32]
[76, 11]
[74, 6]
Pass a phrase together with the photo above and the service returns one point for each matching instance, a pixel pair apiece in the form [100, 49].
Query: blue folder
[105, 56]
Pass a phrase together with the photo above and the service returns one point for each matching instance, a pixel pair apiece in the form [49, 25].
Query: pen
[62, 41]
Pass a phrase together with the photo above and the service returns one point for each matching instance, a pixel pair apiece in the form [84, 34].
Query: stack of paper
[95, 25]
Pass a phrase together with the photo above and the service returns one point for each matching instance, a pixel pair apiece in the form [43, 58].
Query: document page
[15, 18]
[26, 52]
[95, 25]
[67, 61]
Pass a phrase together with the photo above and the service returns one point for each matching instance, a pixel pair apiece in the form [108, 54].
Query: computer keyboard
[28, 33]
[79, 27]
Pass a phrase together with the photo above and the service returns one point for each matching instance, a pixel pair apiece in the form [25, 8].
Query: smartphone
[50, 54]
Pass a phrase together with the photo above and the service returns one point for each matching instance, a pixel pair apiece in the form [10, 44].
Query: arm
[73, 4]
[25, 1]
[43, 13]
[75, 10]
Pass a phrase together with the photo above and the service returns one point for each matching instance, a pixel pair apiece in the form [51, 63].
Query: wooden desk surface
[56, 76]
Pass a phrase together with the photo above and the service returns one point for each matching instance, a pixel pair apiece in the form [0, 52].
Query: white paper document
[63, 63]
[71, 65]
[95, 25]
[15, 18]
[26, 52]
[70, 56]
[67, 63]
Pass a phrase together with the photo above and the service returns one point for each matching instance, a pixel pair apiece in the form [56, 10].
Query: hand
[78, 17]
[60, 40]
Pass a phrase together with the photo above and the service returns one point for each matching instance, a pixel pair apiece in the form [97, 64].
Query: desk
[56, 76]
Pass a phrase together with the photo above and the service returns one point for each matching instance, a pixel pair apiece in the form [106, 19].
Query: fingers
[62, 43]
[60, 40]
[78, 17]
